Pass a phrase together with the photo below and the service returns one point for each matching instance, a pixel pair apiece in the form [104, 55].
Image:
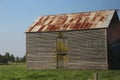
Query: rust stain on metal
[74, 21]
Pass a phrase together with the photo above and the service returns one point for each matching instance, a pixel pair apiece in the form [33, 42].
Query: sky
[17, 15]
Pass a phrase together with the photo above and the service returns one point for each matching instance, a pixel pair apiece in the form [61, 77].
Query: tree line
[9, 58]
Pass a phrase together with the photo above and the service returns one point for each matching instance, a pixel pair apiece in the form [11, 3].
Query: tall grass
[19, 72]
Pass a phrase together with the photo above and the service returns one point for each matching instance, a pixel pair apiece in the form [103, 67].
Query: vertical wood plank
[96, 76]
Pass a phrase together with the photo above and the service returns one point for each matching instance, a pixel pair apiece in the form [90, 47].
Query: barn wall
[113, 33]
[87, 49]
[41, 50]
[114, 46]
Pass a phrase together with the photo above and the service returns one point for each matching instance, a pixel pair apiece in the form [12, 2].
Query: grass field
[19, 72]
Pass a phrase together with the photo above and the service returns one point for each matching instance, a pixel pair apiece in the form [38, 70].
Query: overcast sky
[17, 15]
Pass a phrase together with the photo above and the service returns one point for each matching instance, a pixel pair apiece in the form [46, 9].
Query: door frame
[62, 61]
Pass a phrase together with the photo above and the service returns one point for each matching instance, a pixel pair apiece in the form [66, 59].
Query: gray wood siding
[41, 50]
[87, 49]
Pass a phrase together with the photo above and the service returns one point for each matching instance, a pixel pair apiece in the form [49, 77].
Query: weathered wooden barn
[85, 40]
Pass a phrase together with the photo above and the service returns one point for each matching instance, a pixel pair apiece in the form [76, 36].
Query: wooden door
[62, 60]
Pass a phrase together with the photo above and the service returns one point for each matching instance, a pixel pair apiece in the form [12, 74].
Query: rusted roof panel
[74, 21]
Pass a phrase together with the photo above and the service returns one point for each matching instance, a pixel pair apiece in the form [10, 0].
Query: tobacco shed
[84, 40]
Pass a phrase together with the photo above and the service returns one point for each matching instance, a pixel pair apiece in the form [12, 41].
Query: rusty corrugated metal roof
[74, 21]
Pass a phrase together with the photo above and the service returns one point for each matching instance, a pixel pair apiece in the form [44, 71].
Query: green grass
[19, 72]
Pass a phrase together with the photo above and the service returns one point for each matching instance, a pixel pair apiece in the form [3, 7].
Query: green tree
[18, 59]
[7, 56]
[0, 58]
[24, 59]
[12, 58]
[4, 60]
